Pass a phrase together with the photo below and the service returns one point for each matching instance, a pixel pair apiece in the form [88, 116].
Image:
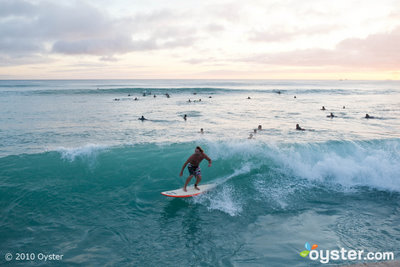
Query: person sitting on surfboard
[193, 163]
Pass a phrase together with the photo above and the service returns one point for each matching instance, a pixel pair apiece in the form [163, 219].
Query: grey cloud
[15, 8]
[76, 28]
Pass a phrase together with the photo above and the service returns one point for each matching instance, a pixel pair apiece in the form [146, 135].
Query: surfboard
[191, 191]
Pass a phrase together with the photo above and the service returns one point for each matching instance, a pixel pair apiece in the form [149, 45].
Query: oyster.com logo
[308, 247]
[343, 254]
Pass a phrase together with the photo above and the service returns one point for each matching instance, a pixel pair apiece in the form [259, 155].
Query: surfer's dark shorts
[194, 170]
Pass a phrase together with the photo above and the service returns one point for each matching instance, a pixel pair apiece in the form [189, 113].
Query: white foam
[89, 151]
[359, 165]
[223, 198]
[373, 164]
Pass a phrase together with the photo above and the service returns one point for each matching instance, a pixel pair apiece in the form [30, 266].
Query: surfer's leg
[198, 179]
[186, 183]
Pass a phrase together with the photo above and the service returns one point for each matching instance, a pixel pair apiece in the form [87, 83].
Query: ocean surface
[81, 176]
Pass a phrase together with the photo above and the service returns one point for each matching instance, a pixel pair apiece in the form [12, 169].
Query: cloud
[279, 34]
[77, 28]
[377, 51]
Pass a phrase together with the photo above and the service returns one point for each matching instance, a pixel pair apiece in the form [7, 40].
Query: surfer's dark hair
[199, 148]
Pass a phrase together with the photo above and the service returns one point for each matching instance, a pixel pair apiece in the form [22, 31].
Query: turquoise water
[81, 176]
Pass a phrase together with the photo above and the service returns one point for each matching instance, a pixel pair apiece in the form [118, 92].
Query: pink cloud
[377, 51]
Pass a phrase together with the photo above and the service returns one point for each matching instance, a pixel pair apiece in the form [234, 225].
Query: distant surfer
[259, 127]
[142, 118]
[367, 116]
[185, 117]
[193, 163]
[323, 108]
[298, 128]
[201, 131]
[331, 115]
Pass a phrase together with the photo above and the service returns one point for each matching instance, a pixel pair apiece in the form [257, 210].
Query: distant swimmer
[136, 99]
[200, 100]
[193, 163]
[144, 94]
[116, 99]
[259, 127]
[294, 97]
[331, 115]
[369, 117]
[201, 131]
[250, 136]
[195, 93]
[344, 107]
[129, 95]
[248, 97]
[142, 118]
[154, 96]
[323, 108]
[255, 131]
[210, 97]
[189, 101]
[279, 92]
[299, 128]
[185, 117]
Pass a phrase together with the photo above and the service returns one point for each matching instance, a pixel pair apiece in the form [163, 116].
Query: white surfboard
[191, 191]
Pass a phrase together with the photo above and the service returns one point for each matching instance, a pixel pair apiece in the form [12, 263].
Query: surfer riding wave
[193, 163]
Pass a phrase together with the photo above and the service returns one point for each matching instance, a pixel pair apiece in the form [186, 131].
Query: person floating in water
[142, 118]
[185, 117]
[323, 108]
[259, 127]
[367, 116]
[136, 99]
[250, 136]
[201, 131]
[331, 115]
[248, 97]
[255, 131]
[299, 128]
[193, 163]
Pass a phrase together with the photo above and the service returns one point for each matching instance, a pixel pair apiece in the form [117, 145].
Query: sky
[186, 39]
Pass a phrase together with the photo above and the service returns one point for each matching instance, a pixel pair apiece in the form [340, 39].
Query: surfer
[185, 117]
[259, 127]
[331, 115]
[193, 163]
[367, 116]
[299, 128]
[323, 108]
[142, 118]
